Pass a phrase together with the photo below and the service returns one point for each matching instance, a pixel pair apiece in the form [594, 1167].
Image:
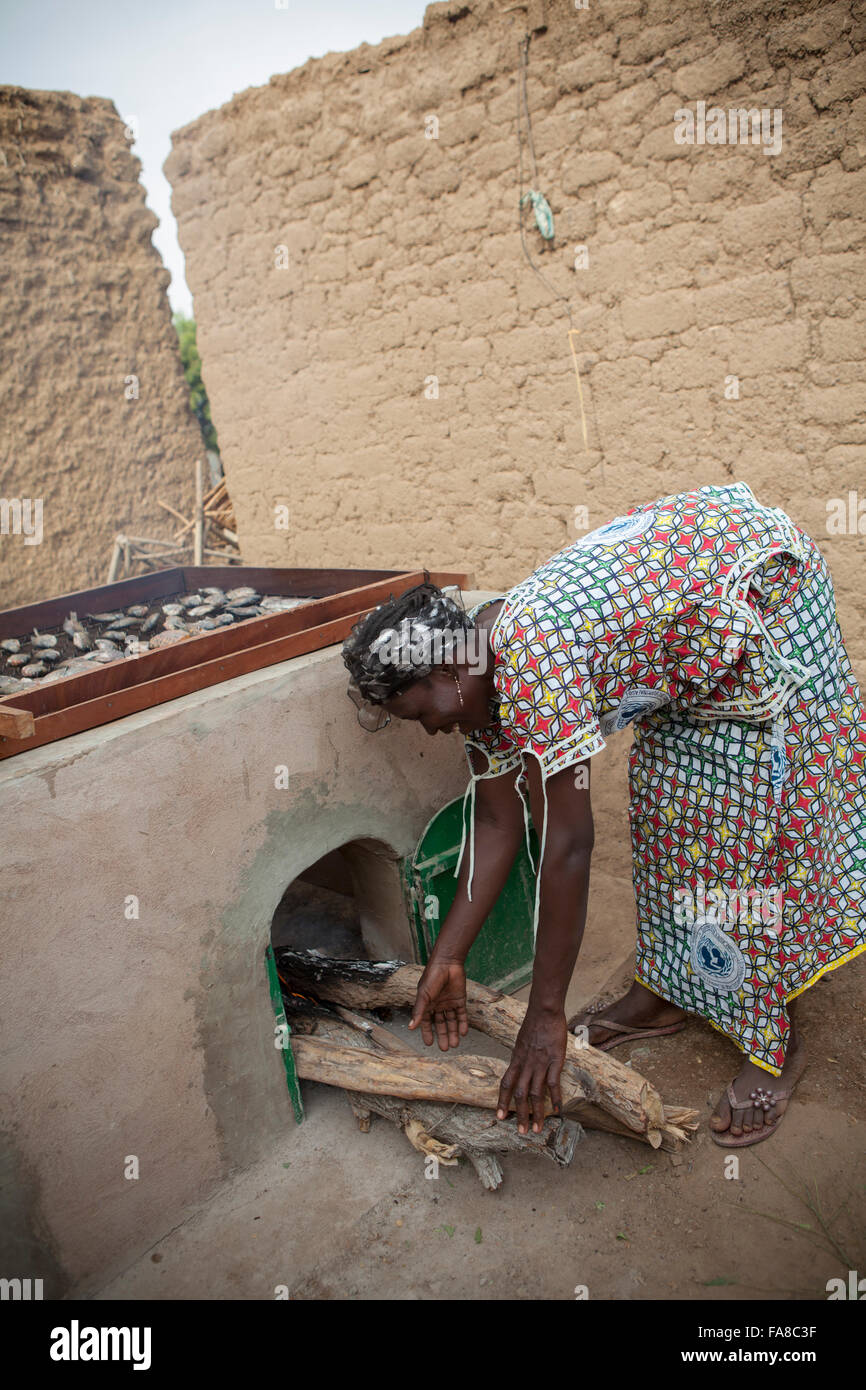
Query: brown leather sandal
[759, 1099]
[629, 1033]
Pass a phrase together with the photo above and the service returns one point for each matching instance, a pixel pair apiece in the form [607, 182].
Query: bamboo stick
[173, 510]
[149, 540]
[198, 540]
[115, 561]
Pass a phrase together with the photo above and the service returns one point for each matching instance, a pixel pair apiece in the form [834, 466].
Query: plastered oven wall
[383, 361]
[142, 865]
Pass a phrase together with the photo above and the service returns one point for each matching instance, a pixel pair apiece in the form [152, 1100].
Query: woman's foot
[755, 1119]
[639, 1009]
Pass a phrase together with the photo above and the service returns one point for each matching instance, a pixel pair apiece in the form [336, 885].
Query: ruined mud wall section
[85, 324]
[402, 263]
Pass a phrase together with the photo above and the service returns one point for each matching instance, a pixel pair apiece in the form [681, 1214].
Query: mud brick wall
[405, 263]
[84, 309]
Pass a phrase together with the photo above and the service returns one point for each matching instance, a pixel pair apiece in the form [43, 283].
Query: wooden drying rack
[338, 598]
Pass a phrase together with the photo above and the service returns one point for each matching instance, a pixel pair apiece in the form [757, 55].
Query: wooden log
[383, 1037]
[438, 1130]
[465, 1080]
[591, 1075]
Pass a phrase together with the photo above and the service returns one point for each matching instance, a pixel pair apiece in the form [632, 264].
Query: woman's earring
[459, 691]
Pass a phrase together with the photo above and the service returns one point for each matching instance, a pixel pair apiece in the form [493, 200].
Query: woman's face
[434, 702]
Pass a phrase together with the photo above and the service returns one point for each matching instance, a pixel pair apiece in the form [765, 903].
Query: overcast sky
[164, 62]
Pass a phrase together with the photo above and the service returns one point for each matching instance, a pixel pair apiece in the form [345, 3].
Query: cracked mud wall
[85, 312]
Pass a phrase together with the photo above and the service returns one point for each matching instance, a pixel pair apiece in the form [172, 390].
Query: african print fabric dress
[708, 622]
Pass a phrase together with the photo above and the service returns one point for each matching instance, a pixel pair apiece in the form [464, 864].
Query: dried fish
[202, 610]
[76, 665]
[11, 644]
[244, 600]
[175, 624]
[18, 659]
[51, 656]
[123, 623]
[224, 619]
[104, 644]
[150, 623]
[273, 603]
[171, 610]
[105, 617]
[244, 592]
[103, 657]
[214, 595]
[42, 641]
[137, 610]
[10, 685]
[190, 600]
[34, 669]
[250, 612]
[81, 640]
[167, 639]
[113, 634]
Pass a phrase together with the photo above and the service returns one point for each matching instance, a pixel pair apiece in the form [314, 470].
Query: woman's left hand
[536, 1063]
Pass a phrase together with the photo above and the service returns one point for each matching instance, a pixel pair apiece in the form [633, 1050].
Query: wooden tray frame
[337, 599]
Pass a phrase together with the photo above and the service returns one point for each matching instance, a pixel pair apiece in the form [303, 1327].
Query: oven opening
[320, 911]
[348, 905]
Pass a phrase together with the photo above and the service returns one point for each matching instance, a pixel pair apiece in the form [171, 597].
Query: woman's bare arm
[564, 878]
[539, 1050]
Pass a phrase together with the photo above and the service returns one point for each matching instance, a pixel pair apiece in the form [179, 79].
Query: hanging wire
[521, 92]
[572, 331]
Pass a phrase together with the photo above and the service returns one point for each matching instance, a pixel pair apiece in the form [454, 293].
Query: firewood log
[596, 1083]
[435, 1130]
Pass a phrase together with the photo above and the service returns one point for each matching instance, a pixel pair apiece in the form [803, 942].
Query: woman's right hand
[440, 1003]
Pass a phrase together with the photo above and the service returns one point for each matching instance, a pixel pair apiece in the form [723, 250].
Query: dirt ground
[343, 1215]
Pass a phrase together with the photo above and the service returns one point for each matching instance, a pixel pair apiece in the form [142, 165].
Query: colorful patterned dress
[708, 622]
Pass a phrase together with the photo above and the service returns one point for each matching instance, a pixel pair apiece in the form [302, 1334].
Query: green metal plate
[502, 954]
[282, 1035]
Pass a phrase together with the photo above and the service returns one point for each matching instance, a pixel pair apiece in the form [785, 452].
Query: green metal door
[502, 953]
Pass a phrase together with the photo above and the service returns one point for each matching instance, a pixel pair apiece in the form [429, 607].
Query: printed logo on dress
[638, 700]
[622, 528]
[716, 959]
